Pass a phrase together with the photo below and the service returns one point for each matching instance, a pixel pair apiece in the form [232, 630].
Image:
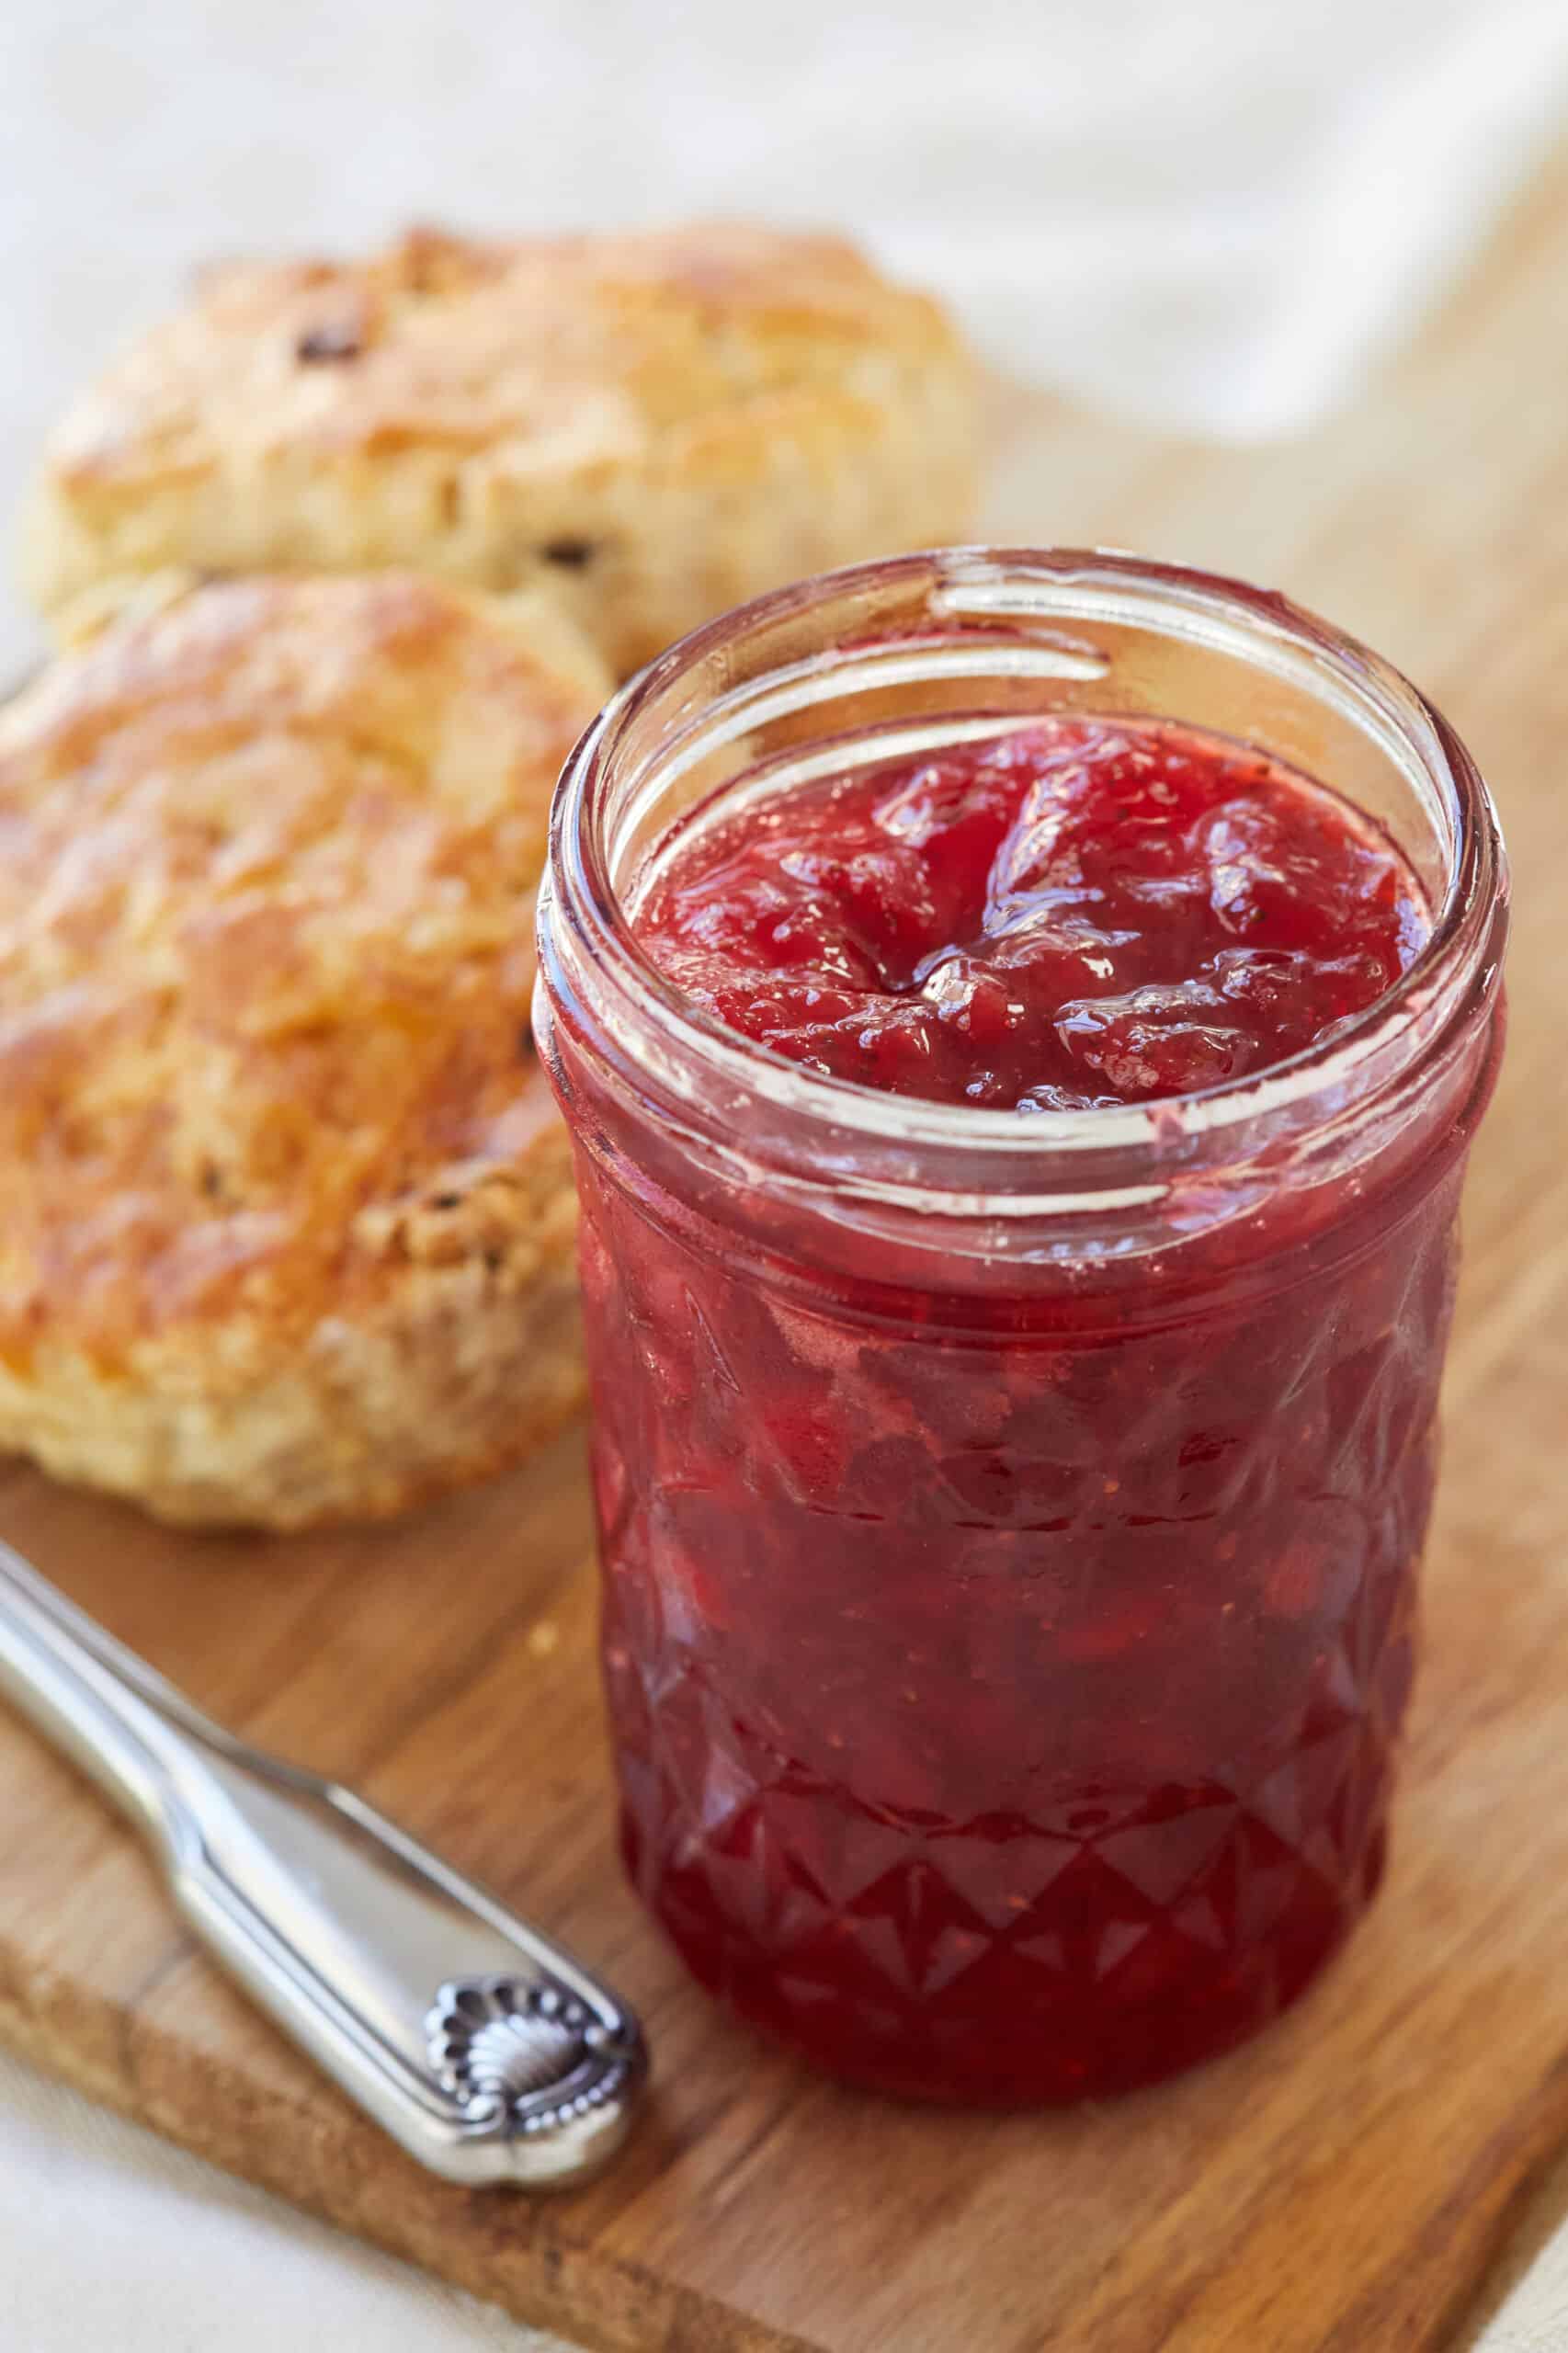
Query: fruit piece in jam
[1003, 1686]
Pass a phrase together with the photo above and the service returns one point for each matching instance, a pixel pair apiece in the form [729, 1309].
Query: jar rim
[981, 580]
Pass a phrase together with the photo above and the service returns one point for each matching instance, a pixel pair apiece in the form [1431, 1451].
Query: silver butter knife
[485, 2050]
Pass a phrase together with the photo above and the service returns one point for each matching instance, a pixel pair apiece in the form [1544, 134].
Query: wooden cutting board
[1346, 2182]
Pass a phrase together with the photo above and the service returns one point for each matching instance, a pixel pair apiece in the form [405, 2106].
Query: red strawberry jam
[1004, 1678]
[1088, 912]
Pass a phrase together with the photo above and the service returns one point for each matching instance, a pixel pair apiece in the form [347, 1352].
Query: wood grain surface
[1344, 2185]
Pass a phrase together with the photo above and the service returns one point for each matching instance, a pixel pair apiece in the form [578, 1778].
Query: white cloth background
[1214, 214]
[112, 2241]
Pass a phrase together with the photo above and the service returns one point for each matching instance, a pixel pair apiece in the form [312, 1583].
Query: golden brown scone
[286, 1214]
[649, 428]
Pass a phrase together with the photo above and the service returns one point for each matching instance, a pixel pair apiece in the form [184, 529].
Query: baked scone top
[267, 863]
[551, 410]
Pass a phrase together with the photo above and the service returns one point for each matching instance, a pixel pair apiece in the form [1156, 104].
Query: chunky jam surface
[1003, 1684]
[1086, 911]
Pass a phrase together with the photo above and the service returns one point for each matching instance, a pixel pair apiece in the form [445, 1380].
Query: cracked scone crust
[648, 429]
[285, 1213]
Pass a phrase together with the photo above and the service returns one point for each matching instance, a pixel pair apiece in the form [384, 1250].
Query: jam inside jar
[1012, 1472]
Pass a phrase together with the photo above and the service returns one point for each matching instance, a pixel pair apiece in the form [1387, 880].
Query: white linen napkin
[112, 2241]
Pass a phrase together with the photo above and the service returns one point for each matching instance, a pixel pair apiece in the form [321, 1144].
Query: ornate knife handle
[483, 2048]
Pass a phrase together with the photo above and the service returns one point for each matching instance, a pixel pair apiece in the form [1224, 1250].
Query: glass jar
[1010, 1526]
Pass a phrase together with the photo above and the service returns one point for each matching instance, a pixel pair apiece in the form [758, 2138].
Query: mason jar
[1010, 1526]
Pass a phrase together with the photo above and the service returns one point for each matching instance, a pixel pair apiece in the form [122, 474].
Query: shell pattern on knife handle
[482, 2047]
